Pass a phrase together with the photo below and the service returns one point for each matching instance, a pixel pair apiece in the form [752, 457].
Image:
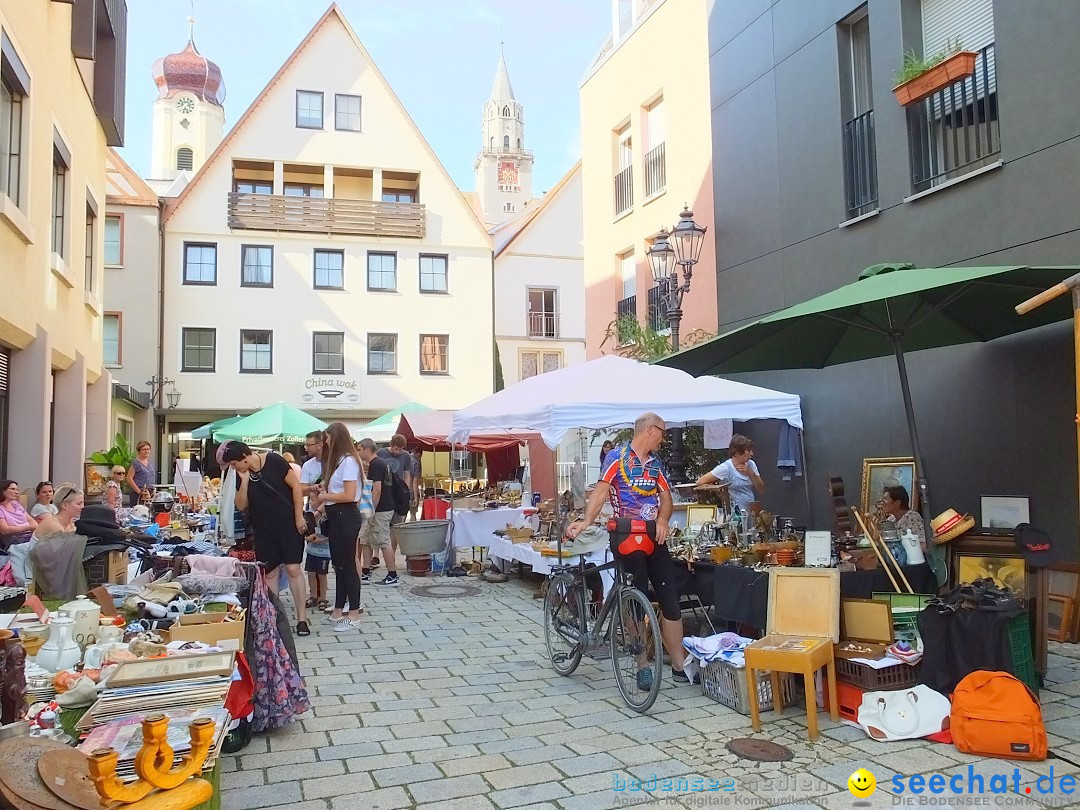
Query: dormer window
[506, 141]
[506, 112]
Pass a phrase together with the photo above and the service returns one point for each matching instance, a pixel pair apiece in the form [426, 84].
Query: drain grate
[444, 591]
[759, 750]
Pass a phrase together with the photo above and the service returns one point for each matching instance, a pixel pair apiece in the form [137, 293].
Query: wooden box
[868, 623]
[804, 602]
[107, 569]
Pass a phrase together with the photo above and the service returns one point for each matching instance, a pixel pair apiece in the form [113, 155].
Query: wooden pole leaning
[877, 552]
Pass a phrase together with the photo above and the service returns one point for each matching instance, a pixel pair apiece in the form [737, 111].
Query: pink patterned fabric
[279, 690]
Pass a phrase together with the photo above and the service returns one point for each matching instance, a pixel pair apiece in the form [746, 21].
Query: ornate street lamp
[173, 396]
[679, 248]
[157, 386]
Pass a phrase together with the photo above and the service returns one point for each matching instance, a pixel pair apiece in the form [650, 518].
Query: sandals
[323, 604]
[310, 603]
[302, 629]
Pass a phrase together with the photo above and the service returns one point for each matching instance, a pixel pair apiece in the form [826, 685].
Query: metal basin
[421, 537]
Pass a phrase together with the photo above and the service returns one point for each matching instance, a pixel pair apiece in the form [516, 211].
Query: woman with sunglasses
[69, 505]
[43, 505]
[114, 496]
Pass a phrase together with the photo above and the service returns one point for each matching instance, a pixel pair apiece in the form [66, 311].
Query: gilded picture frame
[879, 473]
[95, 477]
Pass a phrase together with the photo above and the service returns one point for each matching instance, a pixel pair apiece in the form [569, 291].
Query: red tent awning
[427, 430]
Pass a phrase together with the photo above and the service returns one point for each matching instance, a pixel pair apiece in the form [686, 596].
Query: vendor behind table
[739, 472]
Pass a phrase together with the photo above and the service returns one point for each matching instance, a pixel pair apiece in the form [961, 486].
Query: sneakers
[389, 579]
[680, 677]
[645, 679]
[344, 625]
[365, 575]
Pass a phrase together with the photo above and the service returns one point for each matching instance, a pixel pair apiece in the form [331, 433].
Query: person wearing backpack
[375, 533]
[400, 463]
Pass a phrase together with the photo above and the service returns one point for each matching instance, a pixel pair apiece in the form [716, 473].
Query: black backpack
[400, 490]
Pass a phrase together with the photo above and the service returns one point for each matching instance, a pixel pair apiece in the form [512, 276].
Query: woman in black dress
[268, 489]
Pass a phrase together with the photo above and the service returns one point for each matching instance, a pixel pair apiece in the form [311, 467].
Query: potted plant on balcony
[919, 78]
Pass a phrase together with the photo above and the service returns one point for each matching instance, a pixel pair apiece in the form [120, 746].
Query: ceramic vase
[60, 652]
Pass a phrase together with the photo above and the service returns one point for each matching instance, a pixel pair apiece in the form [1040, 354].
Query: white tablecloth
[503, 549]
[476, 528]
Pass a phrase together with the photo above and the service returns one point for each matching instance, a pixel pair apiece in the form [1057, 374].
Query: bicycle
[626, 621]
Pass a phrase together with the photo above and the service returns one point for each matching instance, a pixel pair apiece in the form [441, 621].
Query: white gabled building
[323, 256]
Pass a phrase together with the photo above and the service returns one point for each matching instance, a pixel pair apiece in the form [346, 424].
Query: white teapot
[86, 615]
[60, 652]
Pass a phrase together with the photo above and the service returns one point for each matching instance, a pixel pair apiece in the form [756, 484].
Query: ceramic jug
[60, 651]
[86, 614]
[913, 549]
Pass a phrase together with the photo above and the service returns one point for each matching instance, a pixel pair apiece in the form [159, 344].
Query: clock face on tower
[186, 105]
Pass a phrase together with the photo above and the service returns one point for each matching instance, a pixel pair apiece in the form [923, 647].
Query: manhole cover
[759, 750]
[445, 591]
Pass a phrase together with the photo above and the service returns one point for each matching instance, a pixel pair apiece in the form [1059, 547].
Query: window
[382, 354]
[254, 187]
[655, 162]
[506, 141]
[256, 351]
[542, 314]
[89, 244]
[59, 203]
[624, 172]
[329, 270]
[14, 90]
[303, 190]
[256, 266]
[506, 112]
[126, 428]
[519, 143]
[398, 195]
[347, 112]
[533, 363]
[114, 240]
[309, 112]
[626, 16]
[434, 353]
[328, 353]
[508, 207]
[433, 274]
[111, 338]
[200, 349]
[857, 104]
[628, 274]
[185, 159]
[200, 263]
[382, 271]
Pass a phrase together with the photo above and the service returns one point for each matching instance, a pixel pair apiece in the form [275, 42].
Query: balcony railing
[626, 308]
[860, 165]
[273, 212]
[544, 324]
[624, 190]
[658, 317]
[956, 130]
[655, 171]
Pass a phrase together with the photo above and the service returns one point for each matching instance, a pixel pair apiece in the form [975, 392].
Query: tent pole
[805, 477]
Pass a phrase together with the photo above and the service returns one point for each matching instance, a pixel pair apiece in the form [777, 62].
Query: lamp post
[680, 248]
[157, 387]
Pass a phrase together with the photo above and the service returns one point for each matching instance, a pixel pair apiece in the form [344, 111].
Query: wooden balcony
[273, 212]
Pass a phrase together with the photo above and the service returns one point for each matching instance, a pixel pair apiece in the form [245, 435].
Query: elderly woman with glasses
[141, 475]
[113, 494]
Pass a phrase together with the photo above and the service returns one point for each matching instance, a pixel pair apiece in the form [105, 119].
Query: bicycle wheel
[637, 653]
[564, 614]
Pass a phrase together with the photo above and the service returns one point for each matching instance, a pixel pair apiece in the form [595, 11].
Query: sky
[438, 55]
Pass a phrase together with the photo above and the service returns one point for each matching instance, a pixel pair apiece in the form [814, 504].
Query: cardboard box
[107, 569]
[866, 623]
[209, 628]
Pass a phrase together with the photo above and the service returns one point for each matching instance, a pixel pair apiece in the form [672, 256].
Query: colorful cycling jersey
[635, 485]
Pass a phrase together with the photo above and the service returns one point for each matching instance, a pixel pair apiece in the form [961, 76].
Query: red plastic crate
[849, 697]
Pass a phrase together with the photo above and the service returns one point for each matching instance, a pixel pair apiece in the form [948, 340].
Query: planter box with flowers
[921, 78]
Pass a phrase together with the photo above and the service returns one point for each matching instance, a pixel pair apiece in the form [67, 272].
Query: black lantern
[662, 258]
[688, 238]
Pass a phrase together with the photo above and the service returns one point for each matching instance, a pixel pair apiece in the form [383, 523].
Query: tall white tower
[503, 166]
[188, 116]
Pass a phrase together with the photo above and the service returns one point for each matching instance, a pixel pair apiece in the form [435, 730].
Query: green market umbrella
[383, 427]
[207, 431]
[891, 309]
[275, 423]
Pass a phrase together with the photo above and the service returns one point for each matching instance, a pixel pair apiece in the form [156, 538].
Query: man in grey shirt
[399, 460]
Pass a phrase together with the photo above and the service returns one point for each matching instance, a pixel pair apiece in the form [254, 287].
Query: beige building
[646, 151]
[322, 256]
[61, 106]
[131, 317]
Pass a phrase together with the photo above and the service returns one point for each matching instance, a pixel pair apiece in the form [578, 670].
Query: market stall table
[741, 594]
[472, 529]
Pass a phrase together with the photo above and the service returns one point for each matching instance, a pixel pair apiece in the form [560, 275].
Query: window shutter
[5, 357]
[629, 276]
[970, 21]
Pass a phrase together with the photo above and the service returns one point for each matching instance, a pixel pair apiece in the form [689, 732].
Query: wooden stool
[791, 654]
[802, 626]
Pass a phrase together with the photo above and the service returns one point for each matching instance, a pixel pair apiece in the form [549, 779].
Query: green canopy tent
[891, 309]
[383, 427]
[274, 423]
[207, 431]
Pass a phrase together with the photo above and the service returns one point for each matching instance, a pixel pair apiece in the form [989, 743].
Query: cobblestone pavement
[450, 703]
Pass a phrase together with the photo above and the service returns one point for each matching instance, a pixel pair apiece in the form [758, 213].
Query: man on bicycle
[635, 481]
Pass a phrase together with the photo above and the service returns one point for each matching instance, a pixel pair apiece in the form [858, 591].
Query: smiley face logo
[862, 784]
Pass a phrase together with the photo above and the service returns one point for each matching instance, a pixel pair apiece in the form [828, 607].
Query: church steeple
[503, 166]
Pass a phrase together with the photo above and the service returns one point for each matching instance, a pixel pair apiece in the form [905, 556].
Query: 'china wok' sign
[329, 391]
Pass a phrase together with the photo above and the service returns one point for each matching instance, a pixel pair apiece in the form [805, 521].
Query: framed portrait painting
[880, 473]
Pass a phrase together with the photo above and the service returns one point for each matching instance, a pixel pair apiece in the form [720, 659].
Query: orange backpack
[996, 715]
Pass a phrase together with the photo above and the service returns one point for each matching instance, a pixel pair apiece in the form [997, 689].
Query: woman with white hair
[68, 501]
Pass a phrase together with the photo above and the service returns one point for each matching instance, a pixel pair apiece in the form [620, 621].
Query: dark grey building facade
[819, 172]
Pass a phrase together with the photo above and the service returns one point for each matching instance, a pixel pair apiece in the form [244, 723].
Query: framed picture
[1002, 512]
[880, 473]
[1006, 570]
[96, 476]
[1059, 617]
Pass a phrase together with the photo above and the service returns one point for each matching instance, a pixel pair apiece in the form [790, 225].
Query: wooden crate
[107, 569]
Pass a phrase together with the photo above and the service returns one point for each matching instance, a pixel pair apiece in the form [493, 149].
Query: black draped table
[741, 594]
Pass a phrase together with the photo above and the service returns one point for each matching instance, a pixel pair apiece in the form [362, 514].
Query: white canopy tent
[611, 392]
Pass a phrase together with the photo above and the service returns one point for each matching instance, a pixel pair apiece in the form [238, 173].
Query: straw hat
[949, 525]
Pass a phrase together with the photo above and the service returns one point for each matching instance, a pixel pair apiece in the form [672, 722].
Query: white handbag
[905, 714]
